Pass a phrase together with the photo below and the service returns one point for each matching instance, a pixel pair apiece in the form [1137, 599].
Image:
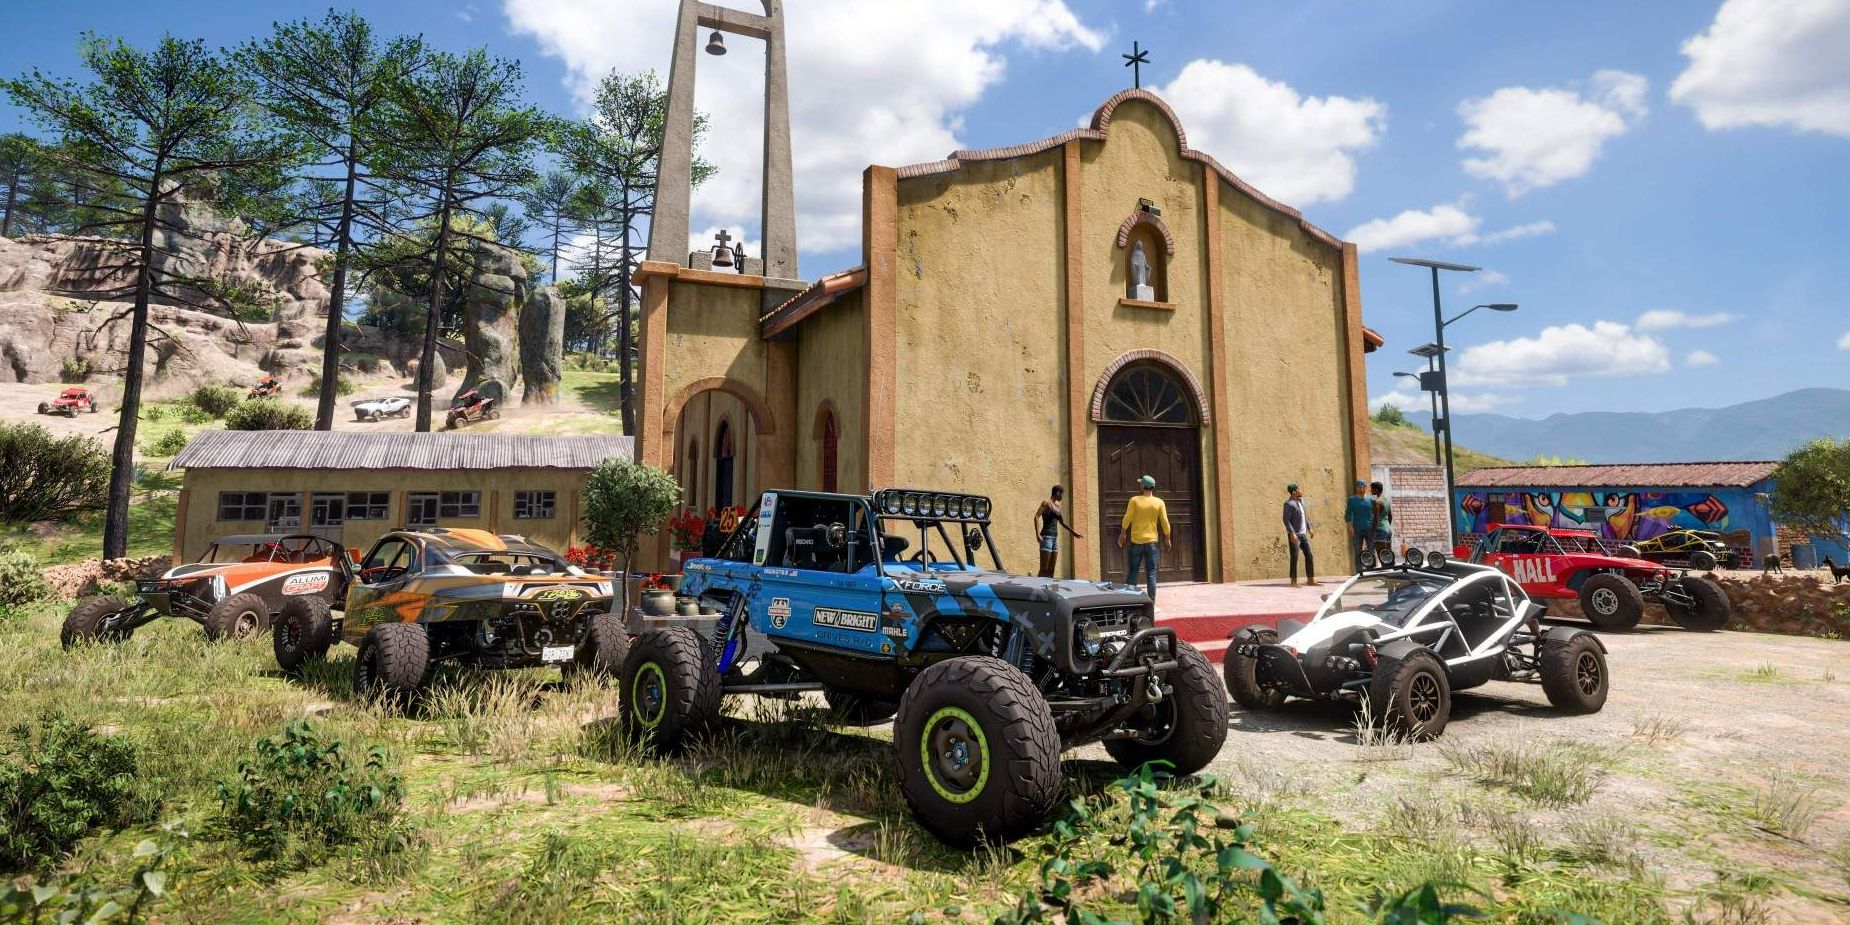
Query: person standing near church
[1298, 533]
[1359, 516]
[1146, 520]
[1381, 528]
[1049, 519]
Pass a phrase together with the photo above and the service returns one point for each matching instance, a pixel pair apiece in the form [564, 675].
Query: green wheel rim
[649, 695]
[955, 754]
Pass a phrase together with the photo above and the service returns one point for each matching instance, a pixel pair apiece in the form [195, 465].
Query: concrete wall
[831, 366]
[199, 523]
[979, 286]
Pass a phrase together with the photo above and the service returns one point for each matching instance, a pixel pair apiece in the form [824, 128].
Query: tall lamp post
[1439, 323]
[1430, 384]
[1433, 398]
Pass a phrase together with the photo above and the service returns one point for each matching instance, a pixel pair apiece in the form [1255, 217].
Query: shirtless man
[1048, 520]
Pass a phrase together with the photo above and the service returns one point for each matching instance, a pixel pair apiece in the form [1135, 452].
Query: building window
[722, 465]
[463, 504]
[285, 512]
[327, 509]
[533, 505]
[421, 509]
[1148, 394]
[243, 505]
[369, 505]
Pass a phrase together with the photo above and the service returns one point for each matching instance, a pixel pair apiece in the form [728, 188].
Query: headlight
[219, 590]
[968, 506]
[891, 504]
[1088, 639]
[982, 508]
[912, 502]
[939, 505]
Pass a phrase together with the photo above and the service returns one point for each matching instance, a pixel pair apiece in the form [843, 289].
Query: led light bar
[938, 505]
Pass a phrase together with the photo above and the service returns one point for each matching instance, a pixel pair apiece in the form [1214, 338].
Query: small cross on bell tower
[722, 254]
[1135, 61]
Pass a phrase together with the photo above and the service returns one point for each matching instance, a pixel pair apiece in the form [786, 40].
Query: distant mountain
[1765, 429]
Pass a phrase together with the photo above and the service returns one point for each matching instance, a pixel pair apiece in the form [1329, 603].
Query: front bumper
[1307, 674]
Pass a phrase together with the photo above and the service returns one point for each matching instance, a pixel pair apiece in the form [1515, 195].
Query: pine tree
[548, 201]
[144, 125]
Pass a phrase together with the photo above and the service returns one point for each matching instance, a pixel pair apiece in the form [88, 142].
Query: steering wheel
[298, 554]
[833, 536]
[923, 558]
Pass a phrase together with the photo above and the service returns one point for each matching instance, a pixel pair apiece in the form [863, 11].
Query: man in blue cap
[1146, 519]
[1359, 515]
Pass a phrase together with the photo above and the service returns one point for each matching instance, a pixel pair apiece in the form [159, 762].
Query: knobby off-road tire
[603, 650]
[1191, 721]
[855, 710]
[237, 617]
[100, 619]
[1612, 602]
[44, 407]
[304, 630]
[671, 694]
[393, 662]
[1574, 674]
[1242, 675]
[1712, 608]
[978, 755]
[1412, 695]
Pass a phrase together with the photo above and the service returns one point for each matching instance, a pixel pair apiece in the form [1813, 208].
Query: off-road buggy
[990, 675]
[267, 387]
[422, 597]
[1697, 549]
[1402, 639]
[233, 590]
[373, 409]
[481, 403]
[1611, 583]
[69, 402]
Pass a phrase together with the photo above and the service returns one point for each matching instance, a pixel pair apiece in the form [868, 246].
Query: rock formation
[542, 346]
[491, 314]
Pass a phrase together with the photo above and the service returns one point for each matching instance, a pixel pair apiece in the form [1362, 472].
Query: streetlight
[1430, 383]
[1439, 322]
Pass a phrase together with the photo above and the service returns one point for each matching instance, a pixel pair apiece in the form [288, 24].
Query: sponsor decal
[775, 572]
[1532, 571]
[897, 632]
[559, 594]
[855, 620]
[767, 511]
[780, 612]
[305, 584]
[695, 567]
[886, 648]
[922, 587]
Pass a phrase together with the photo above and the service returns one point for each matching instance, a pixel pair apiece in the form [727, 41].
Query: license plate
[557, 653]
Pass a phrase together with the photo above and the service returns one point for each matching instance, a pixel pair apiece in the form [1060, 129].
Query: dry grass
[1555, 773]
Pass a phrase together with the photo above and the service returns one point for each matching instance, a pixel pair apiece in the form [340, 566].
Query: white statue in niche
[1140, 275]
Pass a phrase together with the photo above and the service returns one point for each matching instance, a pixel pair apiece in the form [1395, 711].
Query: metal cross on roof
[1135, 61]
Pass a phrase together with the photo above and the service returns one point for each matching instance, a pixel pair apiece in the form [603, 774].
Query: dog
[1838, 572]
[1772, 565]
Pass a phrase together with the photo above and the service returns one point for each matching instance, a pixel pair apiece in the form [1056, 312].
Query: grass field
[1406, 444]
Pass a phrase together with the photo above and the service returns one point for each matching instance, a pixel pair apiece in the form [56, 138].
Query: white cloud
[1843, 343]
[1298, 149]
[1483, 279]
[1560, 353]
[1664, 319]
[1419, 402]
[1538, 137]
[1771, 62]
[1701, 358]
[869, 84]
[1445, 222]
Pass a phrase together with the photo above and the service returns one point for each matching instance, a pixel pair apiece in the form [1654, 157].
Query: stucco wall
[832, 365]
[1288, 413]
[713, 333]
[980, 339]
[199, 523]
[699, 426]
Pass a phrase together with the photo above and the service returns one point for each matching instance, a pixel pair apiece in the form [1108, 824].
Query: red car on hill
[69, 402]
[1612, 584]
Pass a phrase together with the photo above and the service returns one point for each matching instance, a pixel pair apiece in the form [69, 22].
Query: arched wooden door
[1149, 427]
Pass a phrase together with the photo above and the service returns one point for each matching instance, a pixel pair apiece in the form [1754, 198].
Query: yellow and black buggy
[423, 597]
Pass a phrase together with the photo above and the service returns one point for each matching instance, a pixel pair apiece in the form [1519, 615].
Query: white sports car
[372, 409]
[1403, 638]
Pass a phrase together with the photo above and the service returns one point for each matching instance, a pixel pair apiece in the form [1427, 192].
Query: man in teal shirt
[1360, 516]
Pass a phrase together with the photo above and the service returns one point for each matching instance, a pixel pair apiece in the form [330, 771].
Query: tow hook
[1154, 693]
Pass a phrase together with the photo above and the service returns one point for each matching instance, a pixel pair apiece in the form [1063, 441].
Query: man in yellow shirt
[1146, 519]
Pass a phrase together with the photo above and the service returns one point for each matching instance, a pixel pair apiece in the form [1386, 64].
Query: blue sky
[1668, 212]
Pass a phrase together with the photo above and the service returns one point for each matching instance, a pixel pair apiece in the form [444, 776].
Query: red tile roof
[819, 295]
[1622, 475]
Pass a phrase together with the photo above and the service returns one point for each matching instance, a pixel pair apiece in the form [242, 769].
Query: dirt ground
[1729, 752]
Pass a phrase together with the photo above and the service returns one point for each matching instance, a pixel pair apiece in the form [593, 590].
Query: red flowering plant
[656, 581]
[591, 557]
[685, 529]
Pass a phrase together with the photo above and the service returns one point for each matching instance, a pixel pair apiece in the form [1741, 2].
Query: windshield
[510, 563]
[1391, 598]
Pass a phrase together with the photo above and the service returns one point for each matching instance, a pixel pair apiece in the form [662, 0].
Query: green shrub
[215, 400]
[300, 794]
[47, 478]
[22, 580]
[73, 369]
[153, 413]
[59, 782]
[269, 414]
[167, 446]
[341, 386]
[1391, 415]
[85, 898]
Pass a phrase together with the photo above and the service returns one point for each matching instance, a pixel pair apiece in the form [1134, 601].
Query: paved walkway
[1206, 614]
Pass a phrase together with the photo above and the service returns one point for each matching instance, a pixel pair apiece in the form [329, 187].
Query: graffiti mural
[1615, 515]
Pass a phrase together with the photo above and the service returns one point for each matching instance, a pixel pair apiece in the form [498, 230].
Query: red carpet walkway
[1205, 614]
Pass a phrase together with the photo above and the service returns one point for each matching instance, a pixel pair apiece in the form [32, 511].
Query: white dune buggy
[1402, 639]
[373, 409]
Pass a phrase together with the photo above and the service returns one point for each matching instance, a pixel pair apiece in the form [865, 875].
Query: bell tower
[668, 228]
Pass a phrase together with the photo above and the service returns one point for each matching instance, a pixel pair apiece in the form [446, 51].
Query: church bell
[717, 44]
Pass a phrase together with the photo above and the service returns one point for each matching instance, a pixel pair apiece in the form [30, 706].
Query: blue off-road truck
[879, 603]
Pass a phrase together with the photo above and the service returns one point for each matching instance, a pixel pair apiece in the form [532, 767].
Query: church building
[1080, 310]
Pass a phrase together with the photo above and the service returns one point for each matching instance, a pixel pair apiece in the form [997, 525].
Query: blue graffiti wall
[1619, 514]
